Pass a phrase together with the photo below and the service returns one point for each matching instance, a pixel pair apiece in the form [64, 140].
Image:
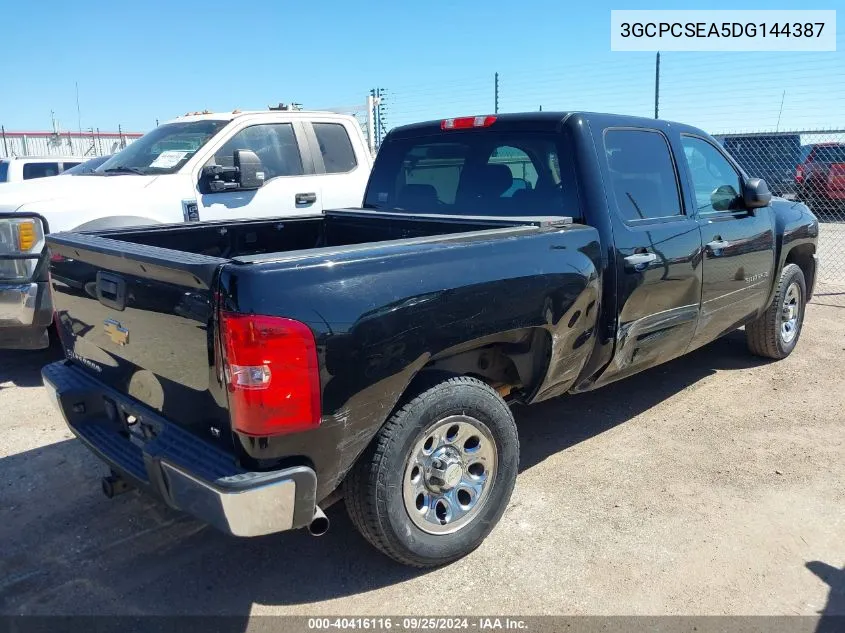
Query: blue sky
[138, 62]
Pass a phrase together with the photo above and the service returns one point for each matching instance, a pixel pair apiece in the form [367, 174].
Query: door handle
[305, 198]
[640, 259]
[718, 244]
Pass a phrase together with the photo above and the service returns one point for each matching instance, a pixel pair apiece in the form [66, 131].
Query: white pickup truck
[209, 166]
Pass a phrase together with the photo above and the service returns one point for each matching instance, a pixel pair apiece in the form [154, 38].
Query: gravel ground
[711, 485]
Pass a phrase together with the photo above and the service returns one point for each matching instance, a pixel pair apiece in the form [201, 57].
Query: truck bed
[250, 239]
[137, 308]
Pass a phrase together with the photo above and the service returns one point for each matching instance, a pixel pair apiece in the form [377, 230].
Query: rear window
[335, 147]
[4, 171]
[40, 170]
[829, 153]
[479, 172]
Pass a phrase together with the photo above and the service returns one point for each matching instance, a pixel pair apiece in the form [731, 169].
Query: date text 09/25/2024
[416, 623]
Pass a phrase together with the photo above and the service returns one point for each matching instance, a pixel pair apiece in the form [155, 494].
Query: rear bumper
[188, 473]
[26, 311]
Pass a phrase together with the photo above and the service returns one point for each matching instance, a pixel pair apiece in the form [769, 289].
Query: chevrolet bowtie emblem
[116, 332]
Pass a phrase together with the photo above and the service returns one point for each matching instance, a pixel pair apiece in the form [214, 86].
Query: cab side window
[274, 144]
[335, 147]
[716, 183]
[643, 175]
[39, 170]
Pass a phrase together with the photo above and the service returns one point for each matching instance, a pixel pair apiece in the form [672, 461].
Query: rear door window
[40, 170]
[830, 154]
[335, 147]
[642, 174]
[474, 173]
[4, 171]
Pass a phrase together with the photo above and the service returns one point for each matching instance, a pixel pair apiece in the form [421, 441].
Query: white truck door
[288, 188]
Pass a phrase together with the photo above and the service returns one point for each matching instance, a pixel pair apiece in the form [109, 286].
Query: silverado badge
[116, 332]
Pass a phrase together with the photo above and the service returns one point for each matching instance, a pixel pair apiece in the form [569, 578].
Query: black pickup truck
[252, 372]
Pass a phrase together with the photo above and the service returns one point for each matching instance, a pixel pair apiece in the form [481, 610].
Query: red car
[821, 176]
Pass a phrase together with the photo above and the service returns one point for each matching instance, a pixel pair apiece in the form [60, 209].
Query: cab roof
[545, 122]
[42, 159]
[234, 114]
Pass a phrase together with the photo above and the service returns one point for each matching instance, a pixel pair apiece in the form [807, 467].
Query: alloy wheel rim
[790, 313]
[449, 475]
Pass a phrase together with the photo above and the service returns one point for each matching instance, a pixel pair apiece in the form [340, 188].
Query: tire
[768, 336]
[90, 288]
[53, 335]
[380, 492]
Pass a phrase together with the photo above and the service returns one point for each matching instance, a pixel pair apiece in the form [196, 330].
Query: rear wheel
[775, 333]
[438, 476]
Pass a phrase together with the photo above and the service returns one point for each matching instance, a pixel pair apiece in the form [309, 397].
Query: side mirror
[245, 174]
[250, 171]
[724, 198]
[756, 194]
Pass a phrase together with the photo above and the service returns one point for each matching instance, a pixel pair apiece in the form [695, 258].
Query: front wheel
[774, 334]
[438, 476]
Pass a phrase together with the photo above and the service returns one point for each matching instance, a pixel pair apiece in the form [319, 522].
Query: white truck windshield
[163, 150]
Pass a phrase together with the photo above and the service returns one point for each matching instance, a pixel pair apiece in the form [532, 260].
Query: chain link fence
[809, 166]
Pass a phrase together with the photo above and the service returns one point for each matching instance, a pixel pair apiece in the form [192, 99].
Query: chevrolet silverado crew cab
[251, 373]
[289, 162]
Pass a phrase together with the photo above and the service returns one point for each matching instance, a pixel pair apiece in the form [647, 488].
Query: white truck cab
[208, 166]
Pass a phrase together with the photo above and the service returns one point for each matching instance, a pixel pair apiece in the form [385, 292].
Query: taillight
[799, 173]
[467, 122]
[836, 177]
[271, 373]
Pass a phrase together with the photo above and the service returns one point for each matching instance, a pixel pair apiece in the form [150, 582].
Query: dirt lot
[712, 485]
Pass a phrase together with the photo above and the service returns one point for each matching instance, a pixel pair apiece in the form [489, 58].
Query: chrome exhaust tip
[319, 524]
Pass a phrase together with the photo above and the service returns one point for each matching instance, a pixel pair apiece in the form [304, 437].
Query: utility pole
[78, 111]
[782, 97]
[496, 94]
[379, 96]
[375, 95]
[657, 87]
[371, 122]
[382, 112]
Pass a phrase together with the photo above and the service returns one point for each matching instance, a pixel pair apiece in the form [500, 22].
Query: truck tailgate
[141, 320]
